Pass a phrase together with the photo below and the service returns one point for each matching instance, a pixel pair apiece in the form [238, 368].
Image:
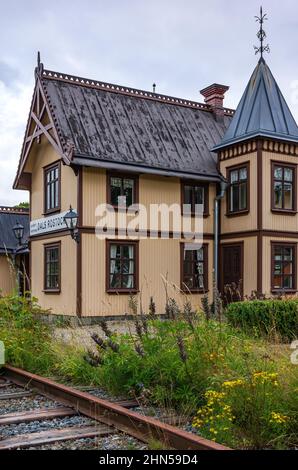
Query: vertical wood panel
[158, 259]
[45, 155]
[7, 276]
[243, 222]
[65, 302]
[273, 221]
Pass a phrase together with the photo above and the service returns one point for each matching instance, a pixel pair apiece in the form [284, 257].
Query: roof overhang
[255, 135]
[131, 168]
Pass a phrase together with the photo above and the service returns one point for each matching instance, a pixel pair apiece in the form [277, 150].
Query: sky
[181, 45]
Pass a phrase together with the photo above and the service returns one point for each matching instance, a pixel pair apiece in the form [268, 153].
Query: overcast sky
[182, 45]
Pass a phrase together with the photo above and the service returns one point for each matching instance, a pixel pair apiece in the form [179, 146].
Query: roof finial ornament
[39, 68]
[261, 35]
[153, 87]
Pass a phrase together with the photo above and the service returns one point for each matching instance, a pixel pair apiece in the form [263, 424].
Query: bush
[27, 340]
[266, 317]
[254, 411]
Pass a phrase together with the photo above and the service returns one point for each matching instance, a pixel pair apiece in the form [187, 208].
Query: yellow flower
[232, 383]
[278, 418]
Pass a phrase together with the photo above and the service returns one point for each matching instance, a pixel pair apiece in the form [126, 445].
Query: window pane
[288, 253]
[187, 194]
[277, 282]
[234, 201]
[242, 196]
[187, 268]
[127, 282]
[234, 176]
[188, 255]
[288, 174]
[288, 196]
[188, 281]
[116, 185]
[199, 195]
[128, 190]
[288, 268]
[243, 174]
[278, 195]
[277, 268]
[127, 267]
[115, 266]
[200, 268]
[278, 173]
[288, 282]
[127, 251]
[199, 254]
[115, 281]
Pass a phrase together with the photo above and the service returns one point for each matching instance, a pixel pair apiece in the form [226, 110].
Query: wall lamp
[18, 231]
[71, 221]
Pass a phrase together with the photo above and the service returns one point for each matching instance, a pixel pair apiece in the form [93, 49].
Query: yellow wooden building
[90, 143]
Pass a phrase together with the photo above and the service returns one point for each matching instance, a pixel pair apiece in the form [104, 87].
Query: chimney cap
[215, 88]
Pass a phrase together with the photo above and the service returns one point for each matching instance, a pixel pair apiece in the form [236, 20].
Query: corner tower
[258, 156]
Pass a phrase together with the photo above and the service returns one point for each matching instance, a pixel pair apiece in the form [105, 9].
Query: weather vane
[261, 34]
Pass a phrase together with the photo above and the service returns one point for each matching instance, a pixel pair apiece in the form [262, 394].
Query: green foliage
[245, 393]
[269, 318]
[253, 411]
[27, 341]
[22, 205]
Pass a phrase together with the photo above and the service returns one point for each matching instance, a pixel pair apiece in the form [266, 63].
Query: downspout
[223, 187]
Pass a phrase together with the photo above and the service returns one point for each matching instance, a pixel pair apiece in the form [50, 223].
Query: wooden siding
[7, 277]
[272, 221]
[65, 302]
[44, 155]
[248, 221]
[158, 259]
[152, 190]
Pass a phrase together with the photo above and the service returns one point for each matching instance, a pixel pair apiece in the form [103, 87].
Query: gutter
[81, 161]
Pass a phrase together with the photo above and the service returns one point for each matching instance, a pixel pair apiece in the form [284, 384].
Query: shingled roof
[109, 126]
[262, 111]
[8, 219]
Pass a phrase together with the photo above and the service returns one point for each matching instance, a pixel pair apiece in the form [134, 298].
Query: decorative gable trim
[41, 121]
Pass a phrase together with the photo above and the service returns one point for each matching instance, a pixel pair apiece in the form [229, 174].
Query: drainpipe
[223, 187]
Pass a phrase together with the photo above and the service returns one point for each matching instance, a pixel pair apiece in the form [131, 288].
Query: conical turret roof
[262, 111]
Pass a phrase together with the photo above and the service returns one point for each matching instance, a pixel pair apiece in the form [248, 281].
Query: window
[122, 266]
[52, 268]
[122, 190]
[52, 188]
[284, 178]
[192, 194]
[238, 189]
[194, 267]
[283, 266]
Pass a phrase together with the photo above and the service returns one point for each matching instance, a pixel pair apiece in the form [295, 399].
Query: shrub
[250, 412]
[266, 317]
[27, 340]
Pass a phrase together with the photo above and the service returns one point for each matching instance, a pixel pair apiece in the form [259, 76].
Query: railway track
[89, 416]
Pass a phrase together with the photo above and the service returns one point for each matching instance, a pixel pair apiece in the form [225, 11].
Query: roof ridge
[124, 90]
[14, 210]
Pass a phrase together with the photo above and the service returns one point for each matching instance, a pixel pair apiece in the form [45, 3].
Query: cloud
[14, 108]
[181, 45]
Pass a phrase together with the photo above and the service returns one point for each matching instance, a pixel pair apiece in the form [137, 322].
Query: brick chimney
[214, 96]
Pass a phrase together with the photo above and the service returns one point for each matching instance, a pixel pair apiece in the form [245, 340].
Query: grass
[239, 391]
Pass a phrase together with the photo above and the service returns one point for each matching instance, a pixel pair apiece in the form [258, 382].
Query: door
[232, 272]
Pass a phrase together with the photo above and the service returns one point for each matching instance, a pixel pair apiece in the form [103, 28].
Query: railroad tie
[54, 435]
[36, 415]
